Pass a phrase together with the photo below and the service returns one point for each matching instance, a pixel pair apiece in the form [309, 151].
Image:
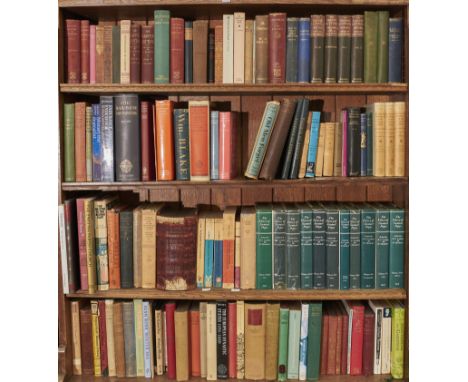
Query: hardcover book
[161, 46]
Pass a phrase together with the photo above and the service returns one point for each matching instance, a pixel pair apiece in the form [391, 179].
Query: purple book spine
[344, 147]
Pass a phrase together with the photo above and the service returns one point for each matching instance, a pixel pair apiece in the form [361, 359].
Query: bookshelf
[248, 99]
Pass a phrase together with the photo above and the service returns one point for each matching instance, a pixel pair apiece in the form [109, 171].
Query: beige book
[305, 147]
[211, 360]
[228, 49]
[203, 339]
[95, 339]
[239, 47]
[76, 337]
[138, 323]
[400, 138]
[182, 341]
[247, 247]
[253, 52]
[150, 334]
[337, 151]
[389, 139]
[237, 255]
[218, 236]
[125, 26]
[254, 321]
[201, 249]
[271, 341]
[148, 245]
[320, 150]
[248, 46]
[137, 258]
[229, 233]
[240, 339]
[159, 345]
[328, 154]
[110, 338]
[378, 139]
[88, 206]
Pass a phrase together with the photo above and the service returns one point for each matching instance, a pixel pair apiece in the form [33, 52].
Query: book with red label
[324, 347]
[195, 366]
[164, 139]
[80, 218]
[80, 141]
[355, 311]
[135, 53]
[84, 42]
[368, 342]
[199, 137]
[147, 54]
[103, 337]
[147, 142]
[228, 158]
[277, 48]
[170, 340]
[232, 340]
[177, 42]
[73, 51]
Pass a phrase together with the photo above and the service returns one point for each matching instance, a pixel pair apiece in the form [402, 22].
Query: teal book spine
[367, 248]
[107, 138]
[264, 247]
[263, 137]
[307, 279]
[314, 339]
[382, 244]
[279, 247]
[208, 271]
[218, 263]
[214, 142]
[293, 248]
[332, 248]
[294, 342]
[397, 248]
[354, 249]
[69, 141]
[313, 144]
[161, 46]
[344, 249]
[369, 147]
[283, 344]
[288, 150]
[319, 250]
[181, 144]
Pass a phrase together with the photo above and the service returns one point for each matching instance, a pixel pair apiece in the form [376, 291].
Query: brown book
[76, 339]
[320, 150]
[107, 54]
[147, 54]
[148, 245]
[73, 51]
[84, 47]
[248, 51]
[277, 48]
[194, 319]
[87, 363]
[332, 340]
[164, 140]
[135, 53]
[177, 36]
[254, 321]
[261, 49]
[218, 30]
[119, 340]
[147, 142]
[200, 51]
[113, 246]
[339, 338]
[136, 247]
[337, 152]
[80, 141]
[182, 341]
[100, 54]
[271, 341]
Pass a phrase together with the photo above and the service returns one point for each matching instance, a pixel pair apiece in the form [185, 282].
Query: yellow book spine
[237, 256]
[90, 251]
[400, 138]
[337, 152]
[148, 248]
[320, 150]
[158, 330]
[201, 250]
[398, 340]
[305, 148]
[378, 139]
[389, 139]
[328, 157]
[95, 334]
[247, 245]
[203, 349]
[229, 233]
[138, 316]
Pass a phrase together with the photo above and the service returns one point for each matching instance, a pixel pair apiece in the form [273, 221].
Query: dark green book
[293, 248]
[298, 145]
[279, 247]
[181, 144]
[288, 150]
[283, 343]
[331, 48]
[161, 46]
[317, 39]
[397, 248]
[354, 248]
[382, 47]
[332, 248]
[314, 335]
[318, 243]
[367, 248]
[370, 46]
[344, 249]
[292, 37]
[116, 54]
[128, 318]
[344, 48]
[69, 141]
[264, 247]
[382, 245]
[126, 248]
[307, 279]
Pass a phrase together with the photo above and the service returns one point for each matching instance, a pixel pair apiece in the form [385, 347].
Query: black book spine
[332, 248]
[211, 55]
[293, 248]
[221, 340]
[318, 245]
[354, 141]
[291, 49]
[297, 156]
[71, 231]
[126, 249]
[289, 148]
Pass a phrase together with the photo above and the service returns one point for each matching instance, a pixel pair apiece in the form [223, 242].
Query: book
[227, 142]
[332, 242]
[126, 248]
[303, 58]
[272, 315]
[81, 235]
[283, 342]
[355, 310]
[161, 46]
[337, 150]
[382, 243]
[87, 359]
[294, 341]
[330, 48]
[147, 340]
[200, 51]
[368, 342]
[367, 248]
[201, 233]
[107, 138]
[218, 251]
[319, 249]
[279, 246]
[214, 142]
[344, 248]
[221, 340]
[344, 49]
[314, 332]
[276, 48]
[88, 211]
[389, 139]
[171, 368]
[395, 37]
[377, 309]
[84, 51]
[209, 250]
[211, 53]
[317, 48]
[194, 333]
[125, 32]
[89, 143]
[248, 243]
[199, 136]
[261, 50]
[320, 150]
[188, 52]
[228, 49]
[357, 48]
[116, 54]
[313, 145]
[76, 338]
[138, 320]
[80, 142]
[119, 342]
[288, 150]
[306, 266]
[92, 54]
[135, 53]
[96, 143]
[293, 248]
[354, 248]
[382, 46]
[137, 247]
[181, 324]
[159, 338]
[96, 339]
[263, 246]
[99, 54]
[400, 138]
[231, 322]
[218, 53]
[396, 248]
[228, 241]
[148, 245]
[107, 54]
[71, 260]
[211, 348]
[181, 144]
[73, 35]
[240, 339]
[147, 54]
[370, 46]
[255, 324]
[370, 144]
[239, 47]
[329, 147]
[292, 42]
[299, 143]
[249, 51]
[398, 339]
[332, 340]
[344, 141]
[237, 253]
[164, 140]
[305, 147]
[203, 339]
[176, 43]
[69, 141]
[303, 341]
[363, 144]
[354, 141]
[148, 171]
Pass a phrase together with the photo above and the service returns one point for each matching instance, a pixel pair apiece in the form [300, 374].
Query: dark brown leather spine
[177, 33]
[277, 48]
[107, 54]
[331, 47]
[87, 363]
[200, 51]
[135, 53]
[261, 49]
[85, 51]
[147, 54]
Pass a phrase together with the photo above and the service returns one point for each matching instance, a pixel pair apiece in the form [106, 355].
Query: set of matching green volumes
[299, 340]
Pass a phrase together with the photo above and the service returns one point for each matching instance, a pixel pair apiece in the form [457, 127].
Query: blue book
[107, 138]
[209, 246]
[344, 249]
[313, 143]
[97, 149]
[363, 144]
[218, 253]
[395, 31]
[397, 248]
[147, 341]
[188, 56]
[303, 56]
[214, 142]
[369, 156]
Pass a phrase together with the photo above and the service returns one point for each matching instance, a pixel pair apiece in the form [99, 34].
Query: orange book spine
[229, 237]
[80, 141]
[227, 145]
[199, 125]
[164, 140]
[195, 343]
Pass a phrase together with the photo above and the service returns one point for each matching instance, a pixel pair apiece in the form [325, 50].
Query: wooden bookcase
[249, 99]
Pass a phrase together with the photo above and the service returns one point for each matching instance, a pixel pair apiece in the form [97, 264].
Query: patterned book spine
[188, 50]
[367, 248]
[395, 32]
[357, 48]
[201, 233]
[181, 142]
[177, 32]
[277, 48]
[214, 140]
[240, 362]
[69, 142]
[86, 342]
[344, 249]
[200, 51]
[344, 48]
[398, 340]
[135, 53]
[107, 54]
[228, 236]
[84, 47]
[125, 29]
[307, 281]
[271, 341]
[382, 241]
[107, 138]
[161, 46]
[363, 144]
[279, 247]
[303, 342]
[147, 54]
[73, 51]
[92, 54]
[397, 248]
[303, 59]
[318, 242]
[313, 143]
[102, 257]
[331, 48]
[292, 48]
[263, 248]
[293, 249]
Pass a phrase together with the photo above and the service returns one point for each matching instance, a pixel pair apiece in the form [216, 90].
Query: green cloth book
[370, 46]
[382, 46]
[264, 247]
[279, 247]
[307, 280]
[313, 341]
[283, 343]
[293, 248]
[116, 54]
[368, 248]
[382, 238]
[354, 248]
[161, 46]
[344, 249]
[398, 340]
[138, 321]
[69, 142]
[332, 248]
[397, 248]
[294, 340]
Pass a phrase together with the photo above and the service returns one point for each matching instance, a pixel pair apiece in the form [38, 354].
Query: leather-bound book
[382, 47]
[116, 54]
[103, 338]
[221, 340]
[69, 142]
[126, 245]
[395, 32]
[188, 52]
[147, 142]
[80, 142]
[177, 32]
[181, 144]
[135, 53]
[87, 366]
[255, 324]
[317, 47]
[357, 48]
[199, 136]
[249, 50]
[107, 54]
[119, 340]
[261, 49]
[181, 324]
[164, 140]
[292, 39]
[271, 340]
[232, 339]
[228, 145]
[218, 57]
[92, 54]
[73, 51]
[354, 141]
[113, 246]
[147, 54]
[194, 322]
[277, 48]
[169, 310]
[128, 318]
[299, 143]
[127, 138]
[176, 247]
[84, 48]
[161, 46]
[344, 48]
[239, 47]
[371, 23]
[211, 55]
[331, 48]
[81, 235]
[288, 150]
[73, 266]
[200, 51]
[99, 54]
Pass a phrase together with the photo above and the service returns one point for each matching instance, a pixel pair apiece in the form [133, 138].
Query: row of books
[238, 339]
[106, 244]
[271, 48]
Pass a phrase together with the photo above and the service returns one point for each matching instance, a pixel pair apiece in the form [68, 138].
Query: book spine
[92, 54]
[107, 54]
[161, 46]
[344, 49]
[357, 48]
[363, 144]
[293, 249]
[86, 342]
[279, 248]
[211, 342]
[395, 33]
[118, 332]
[378, 138]
[164, 140]
[331, 48]
[240, 339]
[382, 46]
[72, 263]
[181, 141]
[332, 249]
[305, 147]
[81, 226]
[73, 51]
[195, 343]
[147, 54]
[345, 142]
[317, 47]
[382, 243]
[239, 47]
[201, 233]
[314, 333]
[261, 49]
[135, 53]
[354, 249]
[277, 48]
[214, 141]
[199, 135]
[292, 42]
[84, 48]
[227, 158]
[147, 142]
[136, 253]
[211, 55]
[200, 51]
[296, 158]
[102, 258]
[345, 341]
[337, 150]
[209, 249]
[324, 341]
[107, 138]
[291, 142]
[369, 146]
[188, 52]
[354, 141]
[228, 49]
[116, 54]
[80, 141]
[283, 344]
[368, 344]
[303, 59]
[293, 343]
[264, 249]
[147, 340]
[400, 138]
[96, 142]
[344, 250]
[182, 339]
[218, 58]
[303, 342]
[90, 244]
[128, 318]
[367, 249]
[99, 54]
[221, 340]
[125, 49]
[113, 244]
[255, 340]
[228, 235]
[232, 339]
[370, 46]
[249, 49]
[159, 340]
[76, 343]
[271, 341]
[389, 139]
[307, 280]
[329, 146]
[237, 256]
[357, 337]
[177, 32]
[63, 249]
[218, 254]
[103, 338]
[170, 340]
[397, 249]
[398, 341]
[319, 249]
[95, 338]
[148, 247]
[126, 245]
[313, 143]
[69, 142]
[248, 245]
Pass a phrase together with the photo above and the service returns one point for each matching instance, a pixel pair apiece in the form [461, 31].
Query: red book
[277, 47]
[92, 54]
[82, 245]
[147, 142]
[73, 51]
[195, 370]
[199, 136]
[80, 141]
[344, 339]
[324, 352]
[232, 340]
[170, 340]
[339, 338]
[356, 309]
[177, 50]
[227, 145]
[86, 335]
[147, 54]
[332, 340]
[368, 343]
[85, 51]
[135, 53]
[164, 140]
[103, 337]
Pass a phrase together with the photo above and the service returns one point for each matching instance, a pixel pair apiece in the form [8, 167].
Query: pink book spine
[92, 54]
[344, 146]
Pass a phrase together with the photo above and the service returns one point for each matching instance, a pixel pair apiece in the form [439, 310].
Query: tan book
[378, 139]
[88, 205]
[211, 359]
[228, 49]
[240, 307]
[99, 54]
[247, 247]
[218, 236]
[389, 139]
[108, 53]
[203, 339]
[239, 47]
[76, 337]
[337, 151]
[328, 154]
[237, 255]
[148, 245]
[305, 148]
[320, 150]
[125, 26]
[201, 249]
[261, 49]
[137, 258]
[119, 347]
[110, 338]
[159, 345]
[138, 322]
[181, 325]
[400, 138]
[228, 238]
[254, 60]
[95, 340]
[271, 341]
[254, 321]
[218, 30]
[248, 49]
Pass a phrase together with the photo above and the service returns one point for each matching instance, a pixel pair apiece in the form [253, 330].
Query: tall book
[299, 143]
[255, 324]
[288, 150]
[398, 339]
[69, 142]
[181, 144]
[96, 143]
[147, 54]
[294, 341]
[363, 144]
[214, 142]
[263, 246]
[354, 248]
[248, 243]
[389, 139]
[337, 150]
[208, 280]
[345, 142]
[261, 49]
[355, 310]
[271, 341]
[237, 254]
[135, 53]
[232, 339]
[96, 338]
[370, 46]
[228, 49]
[305, 147]
[332, 248]
[228, 239]
[137, 247]
[357, 48]
[211, 349]
[171, 367]
[303, 55]
[81, 235]
[89, 143]
[277, 48]
[400, 138]
[239, 47]
[148, 340]
[228, 145]
[188, 52]
[89, 232]
[279, 246]
[306, 267]
[119, 341]
[330, 48]
[148, 171]
[73, 28]
[313, 145]
[382, 46]
[292, 38]
[125, 30]
[199, 136]
[329, 147]
[103, 340]
[126, 248]
[99, 54]
[92, 54]
[218, 54]
[181, 324]
[344, 248]
[293, 248]
[159, 339]
[303, 342]
[320, 150]
[249, 44]
[283, 342]
[367, 248]
[344, 49]
[72, 269]
[107, 138]
[108, 52]
[200, 51]
[377, 310]
[221, 340]
[317, 47]
[138, 321]
[370, 143]
[240, 341]
[378, 139]
[177, 34]
[161, 46]
[148, 245]
[314, 332]
[201, 233]
[397, 248]
[218, 251]
[76, 337]
[164, 140]
[194, 333]
[319, 249]
[354, 141]
[116, 54]
[368, 342]
[87, 366]
[395, 37]
[382, 244]
[80, 142]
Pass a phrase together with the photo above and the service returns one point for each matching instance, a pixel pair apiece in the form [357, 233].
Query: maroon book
[147, 142]
[84, 51]
[232, 340]
[82, 244]
[344, 339]
[72, 245]
[277, 47]
[339, 338]
[147, 54]
[332, 329]
[324, 348]
[177, 50]
[103, 337]
[87, 363]
[135, 53]
[73, 51]
[368, 343]
[170, 338]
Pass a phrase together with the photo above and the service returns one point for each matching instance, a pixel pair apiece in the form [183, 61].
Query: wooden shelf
[295, 88]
